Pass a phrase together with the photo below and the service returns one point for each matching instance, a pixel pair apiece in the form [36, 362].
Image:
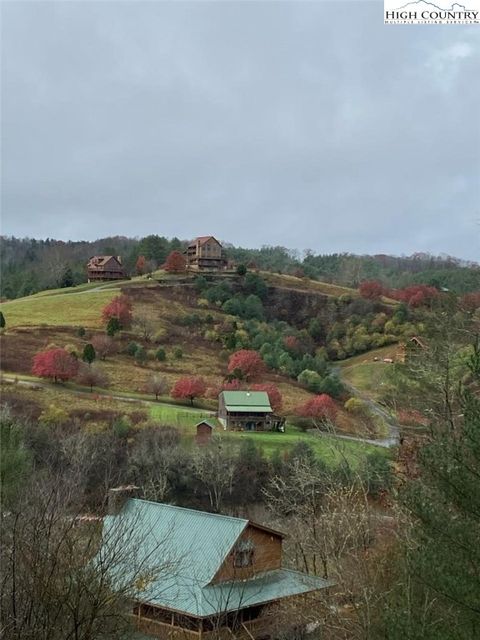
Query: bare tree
[145, 324]
[104, 346]
[214, 467]
[156, 385]
[61, 577]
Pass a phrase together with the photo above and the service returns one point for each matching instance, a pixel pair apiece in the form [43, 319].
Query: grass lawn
[331, 450]
[58, 309]
[184, 418]
[367, 378]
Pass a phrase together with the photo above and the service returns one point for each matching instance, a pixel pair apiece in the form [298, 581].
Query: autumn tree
[156, 385]
[121, 309]
[55, 363]
[89, 354]
[140, 265]
[104, 346]
[371, 289]
[175, 262]
[190, 387]
[273, 393]
[92, 376]
[320, 408]
[246, 364]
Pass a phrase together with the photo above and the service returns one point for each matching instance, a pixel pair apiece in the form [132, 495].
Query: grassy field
[181, 417]
[365, 374]
[58, 309]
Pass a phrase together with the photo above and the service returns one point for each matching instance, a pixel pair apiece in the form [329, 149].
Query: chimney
[118, 496]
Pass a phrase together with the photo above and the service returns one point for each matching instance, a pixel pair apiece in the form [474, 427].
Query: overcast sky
[304, 124]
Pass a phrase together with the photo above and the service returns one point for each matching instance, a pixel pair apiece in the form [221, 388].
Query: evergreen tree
[89, 354]
[113, 326]
[2, 320]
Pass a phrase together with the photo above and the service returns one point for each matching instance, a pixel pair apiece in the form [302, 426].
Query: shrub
[132, 348]
[81, 332]
[53, 416]
[160, 354]
[310, 379]
[140, 355]
[122, 426]
[178, 353]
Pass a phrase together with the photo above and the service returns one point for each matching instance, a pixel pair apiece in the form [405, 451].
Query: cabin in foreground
[205, 253]
[103, 268]
[247, 411]
[203, 575]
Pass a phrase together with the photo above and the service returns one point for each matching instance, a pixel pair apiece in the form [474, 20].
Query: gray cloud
[310, 125]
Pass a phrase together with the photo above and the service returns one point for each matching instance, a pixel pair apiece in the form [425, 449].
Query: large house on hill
[211, 576]
[105, 268]
[247, 411]
[205, 253]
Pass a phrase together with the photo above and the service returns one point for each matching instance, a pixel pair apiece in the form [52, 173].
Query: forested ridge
[29, 265]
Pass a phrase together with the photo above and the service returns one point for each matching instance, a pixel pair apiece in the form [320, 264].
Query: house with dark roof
[247, 411]
[212, 575]
[101, 268]
[205, 253]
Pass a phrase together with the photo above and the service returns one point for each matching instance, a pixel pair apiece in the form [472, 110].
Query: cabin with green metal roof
[246, 411]
[203, 575]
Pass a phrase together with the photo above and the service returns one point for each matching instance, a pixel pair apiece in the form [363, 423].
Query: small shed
[205, 430]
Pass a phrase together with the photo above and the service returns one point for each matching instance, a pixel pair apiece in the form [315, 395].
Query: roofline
[262, 527]
[174, 506]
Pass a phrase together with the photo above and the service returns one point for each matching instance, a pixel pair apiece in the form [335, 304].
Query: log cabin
[203, 576]
[205, 253]
[104, 268]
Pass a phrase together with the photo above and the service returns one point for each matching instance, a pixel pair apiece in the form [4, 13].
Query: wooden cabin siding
[204, 433]
[267, 555]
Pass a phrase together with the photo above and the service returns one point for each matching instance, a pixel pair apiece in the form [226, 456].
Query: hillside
[169, 305]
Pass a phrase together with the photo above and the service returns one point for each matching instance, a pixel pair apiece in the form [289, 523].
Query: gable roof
[100, 261]
[202, 239]
[210, 423]
[180, 551]
[247, 401]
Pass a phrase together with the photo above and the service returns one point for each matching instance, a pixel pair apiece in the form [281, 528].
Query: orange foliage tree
[321, 408]
[175, 262]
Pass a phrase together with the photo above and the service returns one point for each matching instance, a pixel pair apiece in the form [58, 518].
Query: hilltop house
[105, 268]
[204, 576]
[247, 411]
[205, 253]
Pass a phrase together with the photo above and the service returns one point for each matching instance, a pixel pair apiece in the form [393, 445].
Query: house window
[243, 554]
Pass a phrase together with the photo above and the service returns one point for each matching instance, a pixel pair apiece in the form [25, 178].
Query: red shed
[204, 431]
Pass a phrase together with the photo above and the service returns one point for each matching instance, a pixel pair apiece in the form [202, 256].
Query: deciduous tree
[371, 289]
[321, 408]
[92, 376]
[156, 385]
[190, 387]
[140, 265]
[55, 363]
[175, 262]
[246, 364]
[121, 309]
[104, 346]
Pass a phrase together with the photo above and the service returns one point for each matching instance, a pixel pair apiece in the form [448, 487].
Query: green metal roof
[177, 552]
[210, 423]
[247, 401]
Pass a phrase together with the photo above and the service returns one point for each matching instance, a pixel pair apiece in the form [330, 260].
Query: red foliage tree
[190, 387]
[321, 407]
[292, 343]
[121, 308]
[247, 363]
[55, 363]
[140, 265]
[470, 301]
[273, 392]
[175, 262]
[371, 289]
[415, 296]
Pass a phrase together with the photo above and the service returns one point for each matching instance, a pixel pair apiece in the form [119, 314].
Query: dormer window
[243, 554]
